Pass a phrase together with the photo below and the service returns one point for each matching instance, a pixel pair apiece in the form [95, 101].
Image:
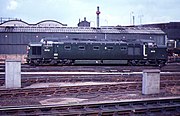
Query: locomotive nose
[27, 49]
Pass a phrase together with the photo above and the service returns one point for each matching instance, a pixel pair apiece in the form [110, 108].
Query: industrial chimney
[98, 12]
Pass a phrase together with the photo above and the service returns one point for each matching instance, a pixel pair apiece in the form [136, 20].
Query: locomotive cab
[34, 52]
[155, 54]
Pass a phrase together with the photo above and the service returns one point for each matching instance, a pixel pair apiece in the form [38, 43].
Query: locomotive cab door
[55, 49]
[34, 50]
[48, 51]
[145, 47]
[149, 50]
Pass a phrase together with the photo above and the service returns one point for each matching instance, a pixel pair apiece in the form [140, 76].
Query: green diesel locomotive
[66, 52]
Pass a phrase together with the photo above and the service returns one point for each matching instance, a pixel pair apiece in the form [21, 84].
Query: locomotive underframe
[96, 62]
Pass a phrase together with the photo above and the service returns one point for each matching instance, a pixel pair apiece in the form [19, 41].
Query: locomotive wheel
[161, 63]
[147, 63]
[132, 63]
[33, 63]
[129, 63]
[53, 62]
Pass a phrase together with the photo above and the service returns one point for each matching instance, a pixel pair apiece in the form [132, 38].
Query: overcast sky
[113, 12]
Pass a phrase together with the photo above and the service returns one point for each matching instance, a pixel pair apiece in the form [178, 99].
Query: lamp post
[98, 13]
[106, 22]
[131, 14]
[140, 18]
[105, 36]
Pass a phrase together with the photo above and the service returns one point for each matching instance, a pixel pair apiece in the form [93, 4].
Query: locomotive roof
[81, 41]
[109, 42]
[59, 41]
[76, 40]
[97, 42]
[35, 43]
[137, 42]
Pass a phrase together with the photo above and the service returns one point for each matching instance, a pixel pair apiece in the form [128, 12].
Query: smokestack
[98, 12]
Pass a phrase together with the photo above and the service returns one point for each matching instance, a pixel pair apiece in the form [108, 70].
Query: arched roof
[45, 23]
[50, 23]
[15, 23]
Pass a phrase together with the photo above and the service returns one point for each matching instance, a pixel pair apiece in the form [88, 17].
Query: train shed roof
[55, 26]
[118, 30]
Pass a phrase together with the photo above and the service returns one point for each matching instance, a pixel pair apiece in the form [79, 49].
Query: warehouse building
[16, 34]
[172, 29]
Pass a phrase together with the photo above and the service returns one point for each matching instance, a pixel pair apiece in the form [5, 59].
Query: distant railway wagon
[96, 52]
[173, 47]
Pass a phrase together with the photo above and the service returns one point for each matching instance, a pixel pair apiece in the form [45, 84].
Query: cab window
[81, 47]
[36, 50]
[67, 47]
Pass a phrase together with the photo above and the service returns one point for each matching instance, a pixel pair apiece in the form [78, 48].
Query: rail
[166, 105]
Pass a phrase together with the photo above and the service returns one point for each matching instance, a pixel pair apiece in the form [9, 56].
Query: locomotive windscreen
[36, 50]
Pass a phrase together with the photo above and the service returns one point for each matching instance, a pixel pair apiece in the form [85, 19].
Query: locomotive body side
[93, 52]
[76, 52]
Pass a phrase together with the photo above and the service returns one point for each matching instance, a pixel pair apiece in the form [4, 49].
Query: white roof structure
[20, 23]
[55, 26]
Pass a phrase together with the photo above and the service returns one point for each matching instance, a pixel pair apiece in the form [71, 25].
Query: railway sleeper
[60, 92]
[48, 92]
[132, 87]
[94, 108]
[73, 91]
[104, 90]
[19, 94]
[6, 95]
[85, 90]
[94, 90]
[140, 111]
[77, 109]
[114, 88]
[33, 93]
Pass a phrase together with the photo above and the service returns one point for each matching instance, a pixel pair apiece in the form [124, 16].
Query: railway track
[82, 88]
[163, 106]
[113, 82]
[29, 79]
[67, 90]
[172, 67]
